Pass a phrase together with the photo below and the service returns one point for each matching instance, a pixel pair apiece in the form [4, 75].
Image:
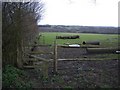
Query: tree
[19, 22]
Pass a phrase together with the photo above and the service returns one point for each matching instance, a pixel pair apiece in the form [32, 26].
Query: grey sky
[81, 12]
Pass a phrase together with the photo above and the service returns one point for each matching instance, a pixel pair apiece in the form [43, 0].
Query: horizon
[77, 25]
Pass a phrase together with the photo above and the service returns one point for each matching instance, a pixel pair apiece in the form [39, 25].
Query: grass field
[106, 40]
[91, 71]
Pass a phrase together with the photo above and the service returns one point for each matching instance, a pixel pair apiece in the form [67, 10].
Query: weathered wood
[101, 50]
[30, 67]
[38, 45]
[68, 37]
[89, 46]
[91, 42]
[84, 59]
[19, 58]
[39, 58]
[55, 57]
[79, 59]
[45, 69]
[67, 46]
[81, 46]
[40, 52]
[35, 60]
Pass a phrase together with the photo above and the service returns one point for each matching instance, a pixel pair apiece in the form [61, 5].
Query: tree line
[19, 28]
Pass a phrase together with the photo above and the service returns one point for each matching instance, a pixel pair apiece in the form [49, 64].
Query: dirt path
[78, 74]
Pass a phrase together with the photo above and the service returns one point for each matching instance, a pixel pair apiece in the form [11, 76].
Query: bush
[14, 78]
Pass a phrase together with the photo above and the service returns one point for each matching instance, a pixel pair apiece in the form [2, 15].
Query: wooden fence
[54, 60]
[34, 58]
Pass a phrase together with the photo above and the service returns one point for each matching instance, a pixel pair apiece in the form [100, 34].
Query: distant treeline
[79, 29]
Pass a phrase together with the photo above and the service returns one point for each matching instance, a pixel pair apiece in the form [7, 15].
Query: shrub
[14, 78]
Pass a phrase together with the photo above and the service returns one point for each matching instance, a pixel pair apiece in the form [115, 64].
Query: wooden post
[23, 50]
[45, 69]
[43, 40]
[55, 57]
[19, 57]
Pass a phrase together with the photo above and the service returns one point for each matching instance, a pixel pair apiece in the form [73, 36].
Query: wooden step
[30, 67]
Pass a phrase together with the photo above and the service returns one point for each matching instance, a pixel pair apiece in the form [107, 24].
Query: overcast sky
[81, 12]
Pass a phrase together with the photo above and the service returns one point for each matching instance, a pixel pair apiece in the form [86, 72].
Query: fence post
[19, 58]
[45, 69]
[55, 57]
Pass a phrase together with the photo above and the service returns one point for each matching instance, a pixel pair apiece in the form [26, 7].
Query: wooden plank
[35, 60]
[39, 58]
[73, 59]
[102, 50]
[90, 46]
[70, 59]
[30, 67]
[40, 52]
[84, 59]
[19, 58]
[81, 46]
[66, 46]
[37, 45]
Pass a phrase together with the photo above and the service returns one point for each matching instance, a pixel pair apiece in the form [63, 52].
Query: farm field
[78, 74]
[106, 40]
[89, 71]
[49, 45]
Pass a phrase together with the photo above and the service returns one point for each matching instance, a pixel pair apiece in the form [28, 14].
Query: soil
[77, 74]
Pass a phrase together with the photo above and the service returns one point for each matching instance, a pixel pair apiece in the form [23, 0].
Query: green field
[106, 40]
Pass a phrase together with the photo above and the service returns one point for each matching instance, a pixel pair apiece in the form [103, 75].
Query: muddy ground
[77, 74]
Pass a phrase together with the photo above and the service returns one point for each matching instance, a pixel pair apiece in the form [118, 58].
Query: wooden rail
[81, 46]
[39, 58]
[40, 52]
[37, 45]
[55, 59]
[102, 50]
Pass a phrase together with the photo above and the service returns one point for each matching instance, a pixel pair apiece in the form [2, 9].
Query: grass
[106, 40]
[14, 78]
